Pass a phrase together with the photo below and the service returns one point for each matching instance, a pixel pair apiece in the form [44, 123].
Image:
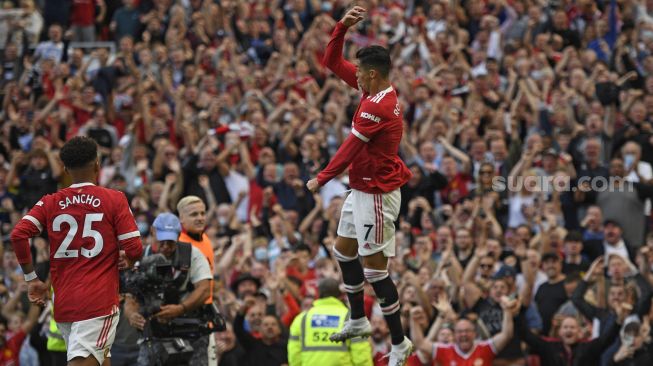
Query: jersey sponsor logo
[80, 199]
[371, 117]
[396, 111]
[478, 362]
[39, 203]
[325, 321]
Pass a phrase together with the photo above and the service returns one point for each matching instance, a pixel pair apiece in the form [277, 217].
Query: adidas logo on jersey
[371, 117]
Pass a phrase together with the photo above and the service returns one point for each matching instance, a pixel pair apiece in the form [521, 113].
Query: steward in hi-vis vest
[309, 342]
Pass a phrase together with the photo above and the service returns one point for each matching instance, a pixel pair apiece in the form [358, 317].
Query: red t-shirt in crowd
[86, 226]
[372, 148]
[308, 279]
[9, 355]
[482, 354]
[380, 358]
[301, 82]
[457, 189]
[80, 115]
[83, 13]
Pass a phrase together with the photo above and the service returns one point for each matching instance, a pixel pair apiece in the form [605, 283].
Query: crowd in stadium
[229, 101]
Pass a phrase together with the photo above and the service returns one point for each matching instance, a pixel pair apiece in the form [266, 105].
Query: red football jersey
[377, 127]
[379, 124]
[86, 226]
[482, 354]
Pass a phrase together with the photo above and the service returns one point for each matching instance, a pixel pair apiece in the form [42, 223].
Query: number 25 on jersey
[73, 226]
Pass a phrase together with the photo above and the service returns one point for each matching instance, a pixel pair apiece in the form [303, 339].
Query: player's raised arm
[333, 55]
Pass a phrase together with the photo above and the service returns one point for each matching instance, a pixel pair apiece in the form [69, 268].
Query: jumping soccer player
[86, 226]
[366, 225]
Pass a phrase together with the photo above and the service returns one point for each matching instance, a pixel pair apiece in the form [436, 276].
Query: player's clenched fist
[353, 16]
[313, 185]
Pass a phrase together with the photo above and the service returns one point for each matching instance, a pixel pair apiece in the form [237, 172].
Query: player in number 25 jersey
[87, 226]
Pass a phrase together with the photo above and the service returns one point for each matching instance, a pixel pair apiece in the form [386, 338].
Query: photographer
[165, 230]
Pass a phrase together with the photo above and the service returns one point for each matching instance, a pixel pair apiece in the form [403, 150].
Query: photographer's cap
[167, 227]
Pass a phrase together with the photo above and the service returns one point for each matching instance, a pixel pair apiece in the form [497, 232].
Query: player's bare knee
[376, 261]
[340, 257]
[346, 246]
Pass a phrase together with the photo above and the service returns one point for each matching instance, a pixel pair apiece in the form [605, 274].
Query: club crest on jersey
[371, 117]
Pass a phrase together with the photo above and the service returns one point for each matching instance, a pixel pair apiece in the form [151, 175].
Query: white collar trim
[463, 354]
[385, 91]
[78, 185]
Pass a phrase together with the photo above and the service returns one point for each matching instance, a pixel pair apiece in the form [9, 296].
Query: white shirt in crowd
[646, 172]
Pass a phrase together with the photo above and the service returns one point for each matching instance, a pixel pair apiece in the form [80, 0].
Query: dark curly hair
[78, 152]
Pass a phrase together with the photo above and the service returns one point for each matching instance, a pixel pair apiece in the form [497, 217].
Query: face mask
[261, 254]
[143, 228]
[327, 7]
[629, 159]
[537, 74]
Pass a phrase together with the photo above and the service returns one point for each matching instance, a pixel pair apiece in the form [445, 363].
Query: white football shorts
[370, 219]
[90, 337]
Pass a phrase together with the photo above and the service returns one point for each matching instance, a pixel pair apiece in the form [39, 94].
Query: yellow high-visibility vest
[309, 342]
[56, 342]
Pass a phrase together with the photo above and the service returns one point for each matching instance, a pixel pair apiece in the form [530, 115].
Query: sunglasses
[486, 266]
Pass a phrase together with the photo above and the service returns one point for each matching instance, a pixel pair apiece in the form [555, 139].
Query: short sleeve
[199, 267]
[488, 349]
[646, 171]
[124, 221]
[438, 352]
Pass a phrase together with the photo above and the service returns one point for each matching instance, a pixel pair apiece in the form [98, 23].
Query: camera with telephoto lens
[156, 282]
[152, 283]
